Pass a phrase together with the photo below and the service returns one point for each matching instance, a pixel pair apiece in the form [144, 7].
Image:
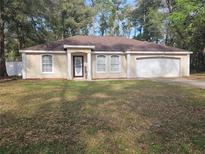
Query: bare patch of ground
[197, 76]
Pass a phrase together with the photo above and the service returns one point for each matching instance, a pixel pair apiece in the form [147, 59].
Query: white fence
[14, 68]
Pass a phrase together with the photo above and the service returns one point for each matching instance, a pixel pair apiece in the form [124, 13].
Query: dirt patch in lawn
[199, 76]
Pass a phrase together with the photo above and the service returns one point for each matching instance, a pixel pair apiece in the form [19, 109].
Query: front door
[78, 66]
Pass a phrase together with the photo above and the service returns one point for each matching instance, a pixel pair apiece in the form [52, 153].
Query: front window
[101, 63]
[47, 63]
[115, 63]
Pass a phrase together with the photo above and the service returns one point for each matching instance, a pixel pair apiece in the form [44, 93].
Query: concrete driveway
[195, 83]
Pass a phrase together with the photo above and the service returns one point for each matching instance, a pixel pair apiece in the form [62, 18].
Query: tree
[3, 72]
[101, 13]
[115, 17]
[187, 24]
[103, 24]
[70, 18]
[126, 19]
[147, 19]
[153, 26]
[22, 24]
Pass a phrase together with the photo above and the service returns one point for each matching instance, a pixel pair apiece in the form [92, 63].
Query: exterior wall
[108, 73]
[33, 66]
[184, 63]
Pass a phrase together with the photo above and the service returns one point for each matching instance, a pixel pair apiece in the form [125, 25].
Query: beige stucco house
[95, 57]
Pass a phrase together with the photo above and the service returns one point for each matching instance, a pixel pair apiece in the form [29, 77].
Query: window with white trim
[100, 63]
[47, 63]
[115, 63]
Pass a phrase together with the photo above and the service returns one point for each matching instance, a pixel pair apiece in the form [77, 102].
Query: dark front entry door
[78, 66]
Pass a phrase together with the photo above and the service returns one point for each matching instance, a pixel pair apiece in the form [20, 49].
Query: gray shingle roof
[104, 43]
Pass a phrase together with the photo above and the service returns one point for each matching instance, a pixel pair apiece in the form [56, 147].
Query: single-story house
[103, 57]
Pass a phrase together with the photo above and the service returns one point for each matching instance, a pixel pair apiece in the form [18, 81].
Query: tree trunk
[3, 72]
[169, 5]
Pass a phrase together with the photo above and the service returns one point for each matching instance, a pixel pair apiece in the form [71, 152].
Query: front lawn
[101, 117]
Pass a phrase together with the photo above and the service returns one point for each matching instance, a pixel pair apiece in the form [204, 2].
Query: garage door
[158, 67]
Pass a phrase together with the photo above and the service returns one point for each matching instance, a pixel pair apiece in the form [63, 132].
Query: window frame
[105, 64]
[119, 63]
[52, 68]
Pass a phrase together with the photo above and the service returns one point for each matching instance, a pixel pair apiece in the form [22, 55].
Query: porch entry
[78, 66]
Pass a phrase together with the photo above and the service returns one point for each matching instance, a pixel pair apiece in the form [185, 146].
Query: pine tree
[3, 72]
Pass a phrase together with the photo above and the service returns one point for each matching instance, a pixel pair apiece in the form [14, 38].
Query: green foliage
[114, 17]
[153, 26]
[182, 22]
[187, 23]
[72, 17]
[34, 22]
[148, 20]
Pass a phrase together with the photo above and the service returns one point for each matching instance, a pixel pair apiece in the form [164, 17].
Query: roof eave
[40, 51]
[160, 52]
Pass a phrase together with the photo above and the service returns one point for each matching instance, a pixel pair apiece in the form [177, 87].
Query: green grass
[48, 116]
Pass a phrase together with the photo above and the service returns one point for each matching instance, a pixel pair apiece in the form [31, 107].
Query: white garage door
[158, 67]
